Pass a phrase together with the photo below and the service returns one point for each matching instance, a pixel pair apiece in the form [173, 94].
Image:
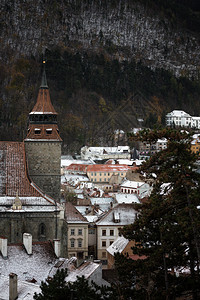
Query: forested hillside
[109, 63]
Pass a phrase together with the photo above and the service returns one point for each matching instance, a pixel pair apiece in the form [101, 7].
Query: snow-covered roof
[118, 245]
[63, 263]
[101, 200]
[85, 209]
[67, 161]
[126, 198]
[127, 162]
[165, 188]
[91, 219]
[196, 118]
[178, 113]
[72, 215]
[26, 290]
[82, 209]
[138, 162]
[26, 266]
[162, 141]
[132, 184]
[104, 203]
[126, 214]
[73, 179]
[86, 270]
[26, 201]
[33, 208]
[101, 150]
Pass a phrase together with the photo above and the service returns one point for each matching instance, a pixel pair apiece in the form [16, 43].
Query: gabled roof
[178, 113]
[13, 175]
[109, 168]
[120, 215]
[72, 215]
[86, 270]
[77, 167]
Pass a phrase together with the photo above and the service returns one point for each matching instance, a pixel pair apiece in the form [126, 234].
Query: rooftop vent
[13, 294]
[27, 241]
[3, 247]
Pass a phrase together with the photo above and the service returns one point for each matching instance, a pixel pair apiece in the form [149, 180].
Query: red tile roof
[109, 168]
[13, 171]
[77, 167]
[72, 215]
[43, 104]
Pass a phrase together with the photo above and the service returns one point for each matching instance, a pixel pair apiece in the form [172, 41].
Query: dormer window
[49, 131]
[37, 131]
[116, 217]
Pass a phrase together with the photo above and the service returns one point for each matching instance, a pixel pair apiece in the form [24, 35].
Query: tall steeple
[44, 78]
[43, 143]
[43, 117]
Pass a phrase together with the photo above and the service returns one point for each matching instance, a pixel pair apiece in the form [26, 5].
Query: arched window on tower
[42, 231]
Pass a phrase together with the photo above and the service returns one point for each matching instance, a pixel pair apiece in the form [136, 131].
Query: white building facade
[182, 119]
[142, 189]
[99, 153]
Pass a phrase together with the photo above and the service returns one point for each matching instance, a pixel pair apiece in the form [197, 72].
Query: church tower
[43, 143]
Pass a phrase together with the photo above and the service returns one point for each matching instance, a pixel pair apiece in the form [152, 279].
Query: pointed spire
[44, 78]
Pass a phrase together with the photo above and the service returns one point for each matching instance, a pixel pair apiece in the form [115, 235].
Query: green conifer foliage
[167, 230]
[57, 288]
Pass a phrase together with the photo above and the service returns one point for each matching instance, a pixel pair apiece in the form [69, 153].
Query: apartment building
[182, 119]
[108, 227]
[103, 173]
[77, 232]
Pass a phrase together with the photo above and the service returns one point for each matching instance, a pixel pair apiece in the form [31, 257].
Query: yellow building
[103, 173]
[195, 144]
[77, 232]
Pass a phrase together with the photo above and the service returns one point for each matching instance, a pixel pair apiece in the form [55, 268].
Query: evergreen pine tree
[167, 230]
[57, 288]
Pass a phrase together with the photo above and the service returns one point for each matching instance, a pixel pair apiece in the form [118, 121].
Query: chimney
[13, 286]
[27, 241]
[57, 247]
[4, 247]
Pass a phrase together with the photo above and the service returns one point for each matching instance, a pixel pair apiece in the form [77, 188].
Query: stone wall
[42, 226]
[43, 160]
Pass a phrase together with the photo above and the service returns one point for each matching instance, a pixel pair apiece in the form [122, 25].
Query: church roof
[13, 173]
[43, 104]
